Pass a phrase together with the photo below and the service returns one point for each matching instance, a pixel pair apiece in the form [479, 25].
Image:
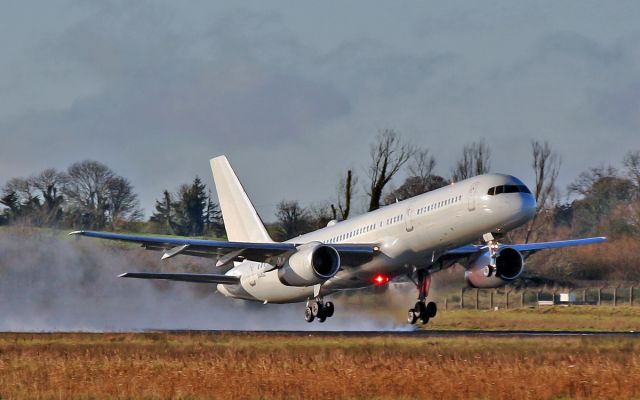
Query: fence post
[584, 296]
[599, 295]
[631, 296]
[538, 299]
[462, 298]
[477, 297]
[445, 304]
[615, 296]
[491, 299]
[507, 298]
[522, 299]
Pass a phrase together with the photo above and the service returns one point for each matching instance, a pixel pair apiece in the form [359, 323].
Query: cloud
[154, 90]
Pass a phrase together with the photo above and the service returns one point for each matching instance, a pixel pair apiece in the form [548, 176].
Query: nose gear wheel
[422, 310]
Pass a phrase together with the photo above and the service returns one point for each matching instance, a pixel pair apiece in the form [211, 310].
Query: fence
[469, 298]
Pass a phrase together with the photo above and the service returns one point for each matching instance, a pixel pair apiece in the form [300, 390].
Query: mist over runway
[52, 283]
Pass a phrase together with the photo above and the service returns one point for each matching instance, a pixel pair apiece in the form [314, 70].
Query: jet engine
[509, 266]
[312, 264]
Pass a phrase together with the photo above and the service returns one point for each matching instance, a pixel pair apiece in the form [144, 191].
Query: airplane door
[472, 197]
[408, 219]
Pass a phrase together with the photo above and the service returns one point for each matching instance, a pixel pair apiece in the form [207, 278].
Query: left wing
[527, 248]
[224, 252]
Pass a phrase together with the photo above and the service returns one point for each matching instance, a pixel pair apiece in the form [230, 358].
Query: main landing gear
[493, 246]
[318, 309]
[422, 310]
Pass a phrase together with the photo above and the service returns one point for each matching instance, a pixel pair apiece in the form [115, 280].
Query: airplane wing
[199, 278]
[223, 251]
[527, 248]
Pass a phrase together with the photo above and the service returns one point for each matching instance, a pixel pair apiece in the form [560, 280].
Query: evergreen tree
[163, 213]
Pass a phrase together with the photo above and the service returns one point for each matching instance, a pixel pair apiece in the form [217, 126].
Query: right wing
[199, 278]
[527, 249]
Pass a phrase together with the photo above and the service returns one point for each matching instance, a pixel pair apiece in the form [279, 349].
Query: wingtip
[76, 233]
[123, 275]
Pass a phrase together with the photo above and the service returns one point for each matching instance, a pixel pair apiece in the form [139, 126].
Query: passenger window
[499, 189]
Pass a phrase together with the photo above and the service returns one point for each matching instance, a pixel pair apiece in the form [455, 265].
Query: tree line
[90, 195]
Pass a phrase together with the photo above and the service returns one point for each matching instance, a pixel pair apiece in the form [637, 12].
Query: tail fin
[241, 220]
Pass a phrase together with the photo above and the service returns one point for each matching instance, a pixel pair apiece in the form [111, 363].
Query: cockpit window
[508, 189]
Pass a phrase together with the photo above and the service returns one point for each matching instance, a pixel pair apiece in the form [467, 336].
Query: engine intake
[312, 264]
[509, 266]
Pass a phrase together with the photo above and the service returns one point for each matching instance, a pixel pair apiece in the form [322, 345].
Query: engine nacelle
[312, 264]
[509, 266]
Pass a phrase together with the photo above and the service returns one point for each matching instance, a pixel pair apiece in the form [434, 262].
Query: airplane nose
[528, 205]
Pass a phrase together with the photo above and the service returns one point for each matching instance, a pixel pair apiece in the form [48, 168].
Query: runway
[414, 333]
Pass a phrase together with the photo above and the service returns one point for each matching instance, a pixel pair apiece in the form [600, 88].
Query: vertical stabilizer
[241, 221]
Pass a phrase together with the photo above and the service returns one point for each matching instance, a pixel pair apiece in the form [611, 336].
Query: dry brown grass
[162, 365]
[558, 318]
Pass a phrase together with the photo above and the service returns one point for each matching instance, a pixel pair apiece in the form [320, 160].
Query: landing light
[380, 279]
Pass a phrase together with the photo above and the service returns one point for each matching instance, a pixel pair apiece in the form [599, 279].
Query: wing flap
[198, 278]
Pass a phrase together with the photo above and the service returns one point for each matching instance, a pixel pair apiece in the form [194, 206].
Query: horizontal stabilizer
[199, 278]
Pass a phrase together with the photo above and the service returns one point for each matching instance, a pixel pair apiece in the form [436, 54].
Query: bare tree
[50, 183]
[475, 160]
[422, 164]
[346, 190]
[388, 155]
[293, 219]
[632, 163]
[18, 194]
[421, 179]
[123, 203]
[22, 191]
[319, 215]
[87, 190]
[546, 166]
[585, 182]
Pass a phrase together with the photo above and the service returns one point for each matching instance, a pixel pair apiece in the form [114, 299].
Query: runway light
[380, 279]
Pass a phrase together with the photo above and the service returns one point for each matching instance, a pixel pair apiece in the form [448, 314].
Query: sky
[295, 92]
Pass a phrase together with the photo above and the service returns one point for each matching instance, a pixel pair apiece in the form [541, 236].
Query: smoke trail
[49, 282]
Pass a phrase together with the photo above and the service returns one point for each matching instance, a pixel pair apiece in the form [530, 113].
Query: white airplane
[410, 239]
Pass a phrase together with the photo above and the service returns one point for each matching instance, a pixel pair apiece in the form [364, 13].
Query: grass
[571, 318]
[264, 366]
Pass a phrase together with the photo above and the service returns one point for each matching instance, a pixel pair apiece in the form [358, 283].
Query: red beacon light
[380, 279]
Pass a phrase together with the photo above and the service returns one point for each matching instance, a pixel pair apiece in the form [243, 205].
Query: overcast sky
[293, 92]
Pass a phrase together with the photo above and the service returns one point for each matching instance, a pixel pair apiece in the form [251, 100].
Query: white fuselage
[410, 234]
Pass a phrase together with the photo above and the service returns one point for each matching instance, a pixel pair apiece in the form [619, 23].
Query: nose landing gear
[422, 310]
[318, 309]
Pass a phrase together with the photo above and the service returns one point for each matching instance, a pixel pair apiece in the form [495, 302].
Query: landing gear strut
[493, 252]
[318, 309]
[422, 310]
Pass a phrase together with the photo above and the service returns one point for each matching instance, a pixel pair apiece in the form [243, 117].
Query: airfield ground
[273, 366]
[569, 318]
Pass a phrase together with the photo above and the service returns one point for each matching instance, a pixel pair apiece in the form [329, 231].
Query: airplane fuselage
[408, 234]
